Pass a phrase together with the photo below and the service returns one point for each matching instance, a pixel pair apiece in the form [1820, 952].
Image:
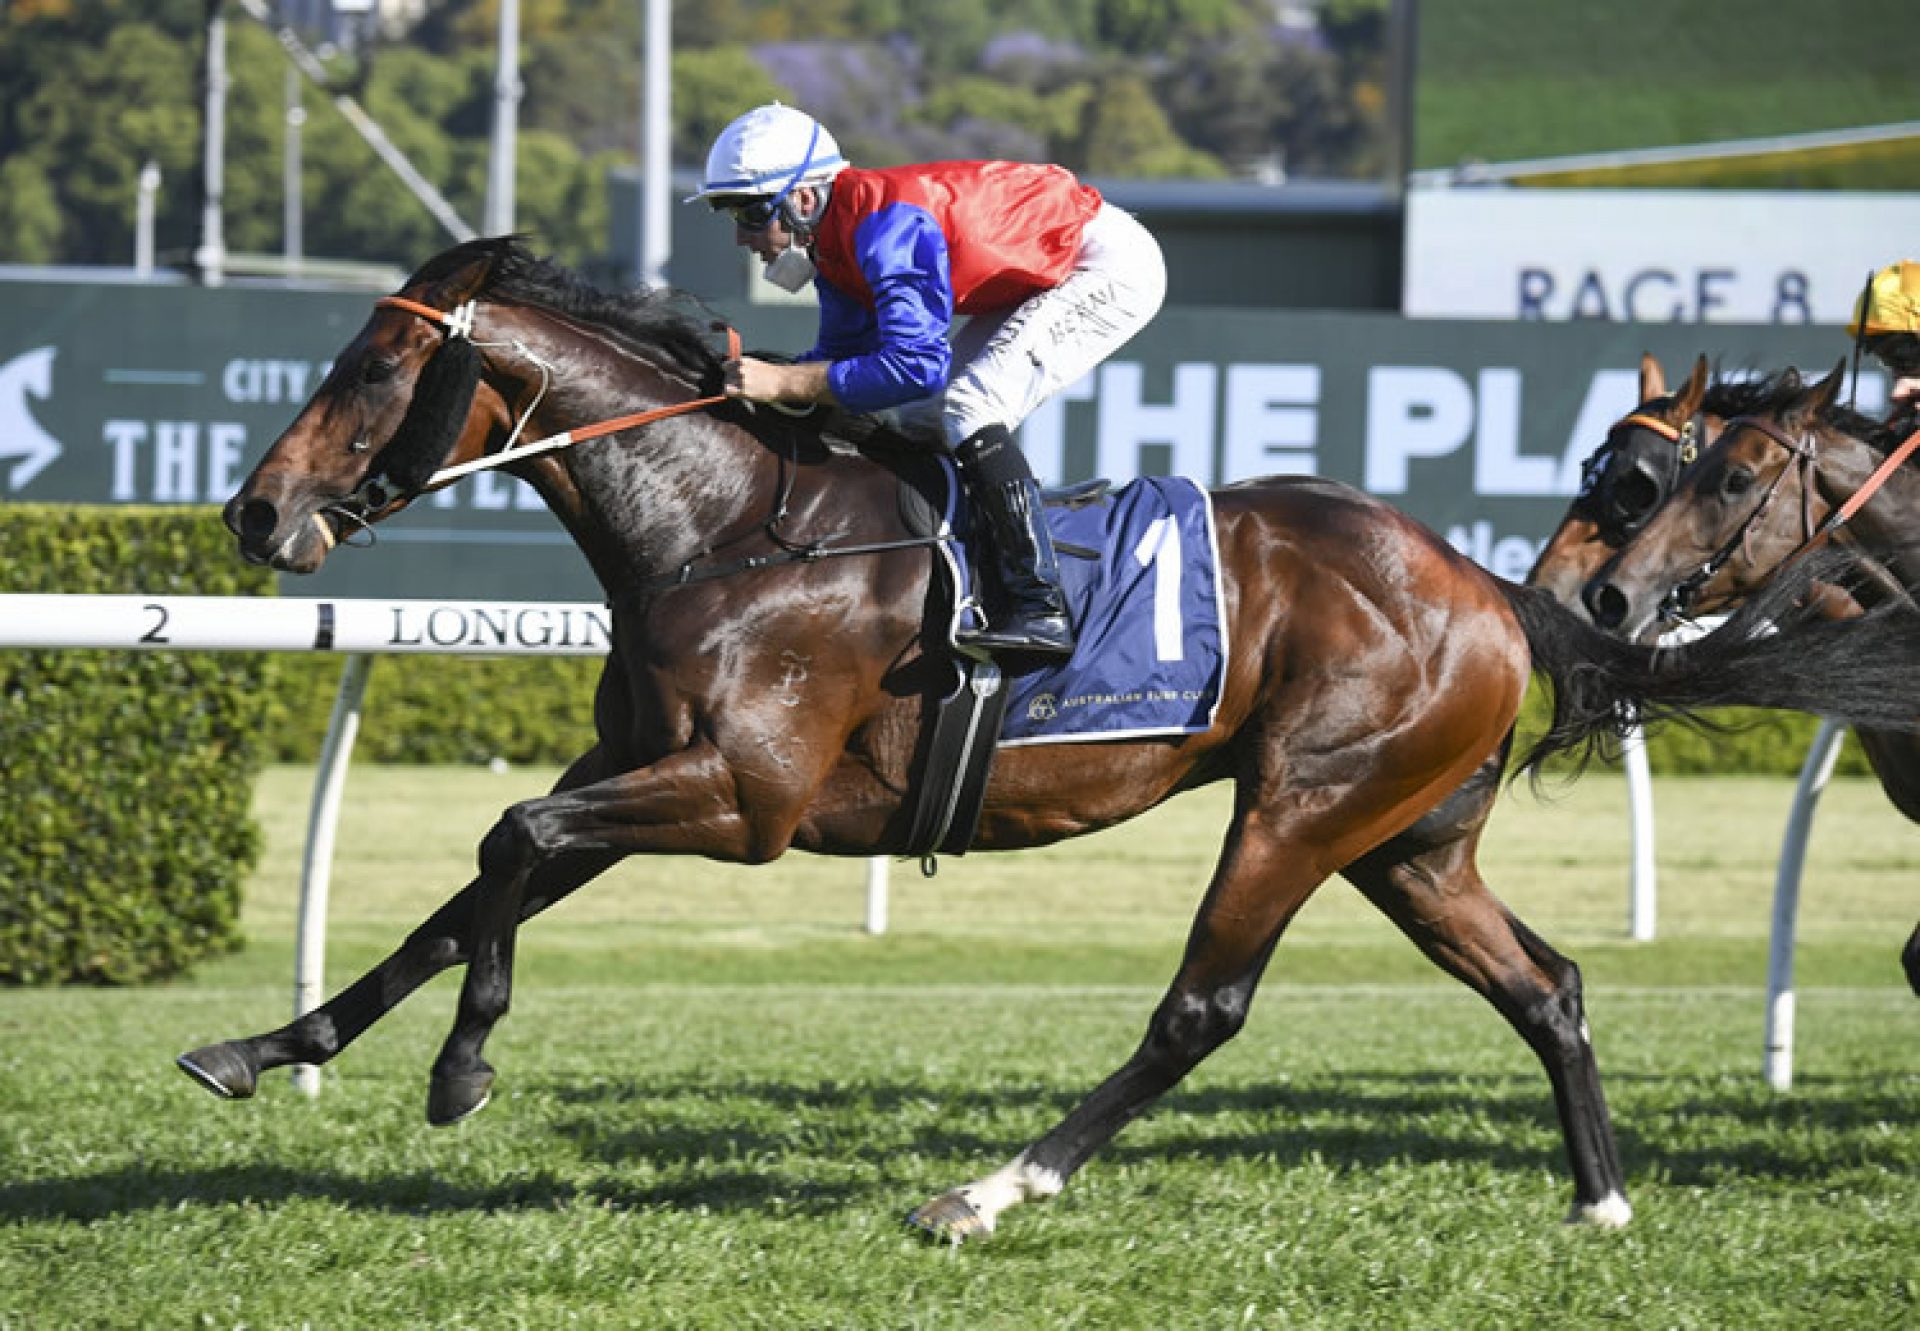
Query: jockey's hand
[753, 380]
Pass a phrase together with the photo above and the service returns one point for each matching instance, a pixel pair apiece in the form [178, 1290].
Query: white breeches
[1007, 363]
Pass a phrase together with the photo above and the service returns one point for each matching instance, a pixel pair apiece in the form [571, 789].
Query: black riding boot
[1004, 494]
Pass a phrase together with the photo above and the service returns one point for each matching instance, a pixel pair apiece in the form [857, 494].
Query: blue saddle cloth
[1151, 638]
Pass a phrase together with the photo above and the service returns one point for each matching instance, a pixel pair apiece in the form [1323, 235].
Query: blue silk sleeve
[901, 353]
[847, 327]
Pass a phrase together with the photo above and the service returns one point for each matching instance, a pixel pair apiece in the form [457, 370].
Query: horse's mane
[1747, 396]
[1777, 392]
[660, 318]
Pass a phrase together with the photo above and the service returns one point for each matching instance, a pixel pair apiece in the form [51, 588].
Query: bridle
[371, 494]
[459, 321]
[1805, 453]
[377, 490]
[1686, 440]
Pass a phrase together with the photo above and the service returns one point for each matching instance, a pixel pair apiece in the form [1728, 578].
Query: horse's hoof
[452, 1099]
[222, 1069]
[950, 1218]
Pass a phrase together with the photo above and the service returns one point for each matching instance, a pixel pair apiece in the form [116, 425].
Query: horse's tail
[1774, 651]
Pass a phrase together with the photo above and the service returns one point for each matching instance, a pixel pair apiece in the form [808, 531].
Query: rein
[459, 323]
[1880, 476]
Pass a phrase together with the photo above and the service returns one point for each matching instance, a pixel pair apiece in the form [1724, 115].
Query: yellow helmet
[1891, 302]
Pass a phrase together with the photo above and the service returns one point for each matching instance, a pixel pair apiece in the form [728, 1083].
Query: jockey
[1053, 279]
[1886, 319]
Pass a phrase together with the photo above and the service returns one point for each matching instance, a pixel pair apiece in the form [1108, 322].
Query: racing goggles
[756, 214]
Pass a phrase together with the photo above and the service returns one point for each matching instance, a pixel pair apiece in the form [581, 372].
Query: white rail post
[316, 870]
[1643, 888]
[876, 894]
[1815, 771]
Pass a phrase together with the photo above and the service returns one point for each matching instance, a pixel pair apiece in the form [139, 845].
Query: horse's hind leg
[1434, 892]
[232, 1068]
[1261, 881]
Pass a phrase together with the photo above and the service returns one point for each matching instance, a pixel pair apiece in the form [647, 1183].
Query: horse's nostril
[1607, 605]
[258, 519]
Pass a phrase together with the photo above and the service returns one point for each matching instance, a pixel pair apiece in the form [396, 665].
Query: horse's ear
[1653, 380]
[466, 270]
[1815, 403]
[1694, 392]
[469, 281]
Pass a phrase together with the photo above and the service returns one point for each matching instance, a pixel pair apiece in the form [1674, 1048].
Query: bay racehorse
[1639, 464]
[1786, 467]
[751, 560]
[1625, 479]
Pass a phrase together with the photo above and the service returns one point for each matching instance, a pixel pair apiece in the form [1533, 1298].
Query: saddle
[1138, 570]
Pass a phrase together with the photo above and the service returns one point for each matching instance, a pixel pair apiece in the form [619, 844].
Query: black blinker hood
[436, 416]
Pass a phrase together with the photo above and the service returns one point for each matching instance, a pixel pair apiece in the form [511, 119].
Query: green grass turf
[718, 1098]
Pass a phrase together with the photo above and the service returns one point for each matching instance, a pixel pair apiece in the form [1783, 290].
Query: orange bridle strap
[1671, 433]
[459, 323]
[415, 307]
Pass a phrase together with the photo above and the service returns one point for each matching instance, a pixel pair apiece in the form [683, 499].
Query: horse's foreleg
[686, 803]
[1256, 890]
[232, 1068]
[1436, 896]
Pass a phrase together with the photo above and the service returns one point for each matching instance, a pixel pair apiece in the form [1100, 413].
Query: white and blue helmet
[769, 151]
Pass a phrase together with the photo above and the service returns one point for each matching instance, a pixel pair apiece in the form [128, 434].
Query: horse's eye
[1738, 482]
[378, 370]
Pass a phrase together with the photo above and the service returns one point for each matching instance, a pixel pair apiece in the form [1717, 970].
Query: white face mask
[791, 269]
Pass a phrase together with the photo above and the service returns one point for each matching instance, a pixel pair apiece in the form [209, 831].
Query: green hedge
[443, 709]
[125, 827]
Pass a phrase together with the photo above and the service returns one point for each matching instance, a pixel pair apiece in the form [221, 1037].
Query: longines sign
[169, 395]
[301, 624]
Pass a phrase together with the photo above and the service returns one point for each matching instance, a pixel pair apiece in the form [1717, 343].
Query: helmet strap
[800, 226]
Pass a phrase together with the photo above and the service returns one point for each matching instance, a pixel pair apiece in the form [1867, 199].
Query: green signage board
[130, 394]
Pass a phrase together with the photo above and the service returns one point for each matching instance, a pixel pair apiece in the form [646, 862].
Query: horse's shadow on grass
[1361, 1120]
[130, 1189]
[768, 1157]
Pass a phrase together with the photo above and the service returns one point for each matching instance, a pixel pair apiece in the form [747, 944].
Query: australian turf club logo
[1044, 707]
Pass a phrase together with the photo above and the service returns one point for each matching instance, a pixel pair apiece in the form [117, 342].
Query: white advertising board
[1649, 256]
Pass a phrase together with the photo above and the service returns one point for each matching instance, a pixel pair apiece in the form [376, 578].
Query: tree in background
[1123, 131]
[1111, 88]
